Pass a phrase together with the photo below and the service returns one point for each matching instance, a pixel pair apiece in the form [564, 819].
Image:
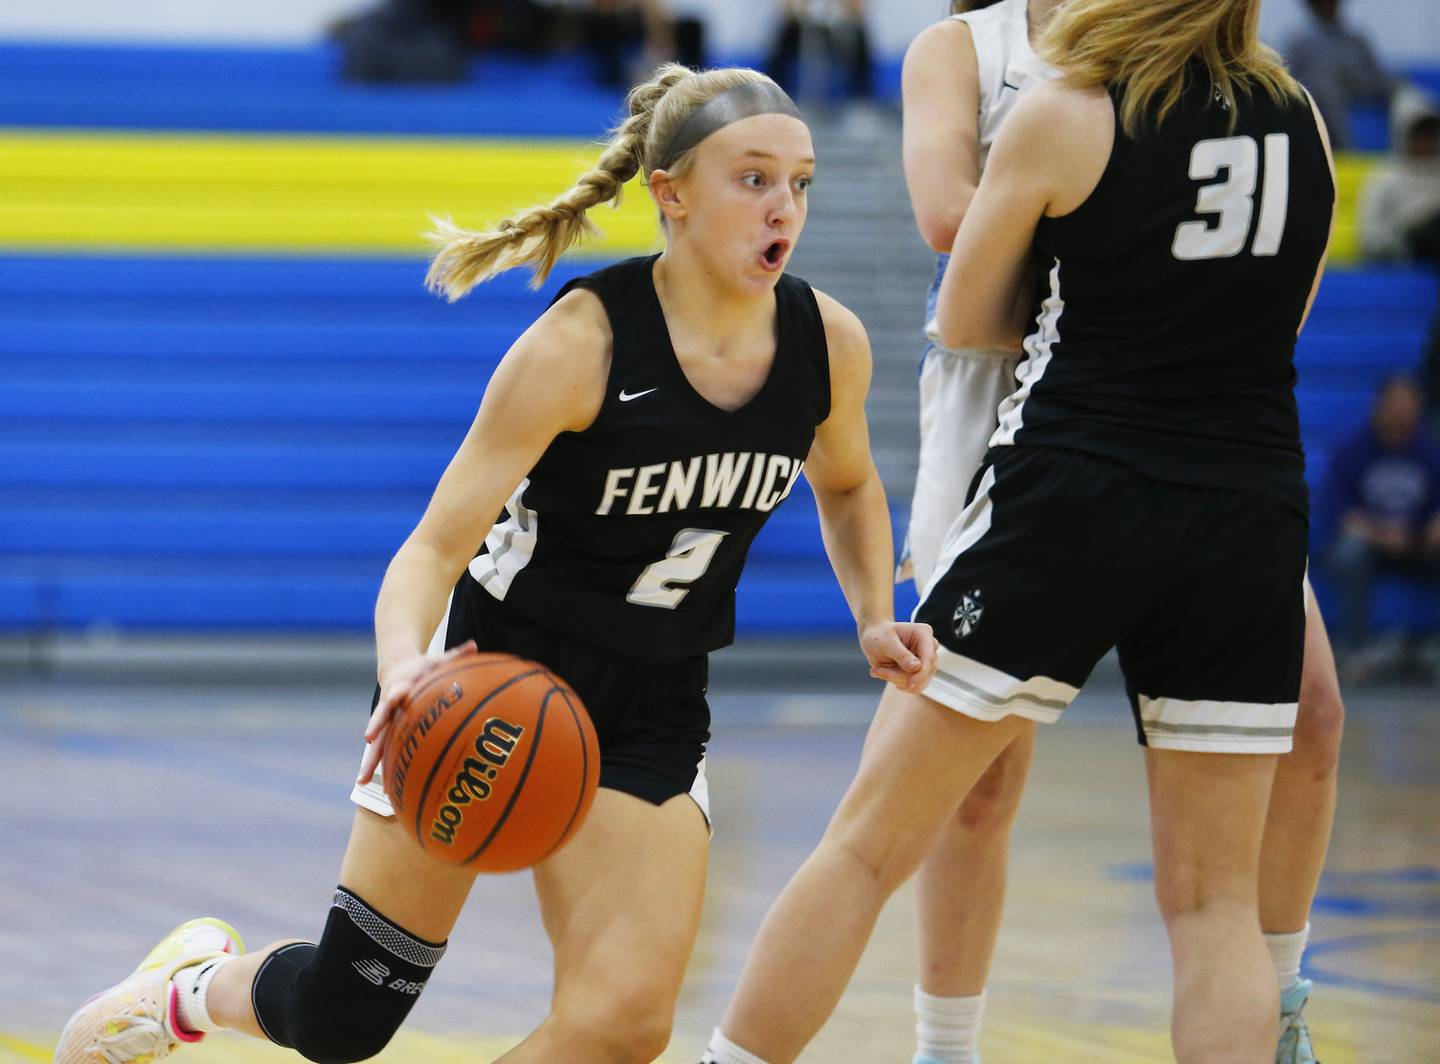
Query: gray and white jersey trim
[1039, 347]
[511, 545]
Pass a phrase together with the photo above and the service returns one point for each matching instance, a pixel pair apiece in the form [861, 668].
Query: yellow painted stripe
[410, 1046]
[226, 193]
[1351, 173]
[1118, 1044]
[17, 1049]
[213, 192]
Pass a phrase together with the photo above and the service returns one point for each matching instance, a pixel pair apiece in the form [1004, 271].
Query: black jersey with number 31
[632, 533]
[1166, 339]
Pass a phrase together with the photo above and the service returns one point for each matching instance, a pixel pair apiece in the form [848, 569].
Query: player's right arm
[552, 380]
[940, 86]
[1049, 155]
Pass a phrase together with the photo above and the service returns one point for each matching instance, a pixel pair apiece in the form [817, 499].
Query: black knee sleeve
[342, 1000]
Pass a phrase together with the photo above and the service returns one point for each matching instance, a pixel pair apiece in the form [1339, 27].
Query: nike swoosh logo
[195, 986]
[625, 396]
[1009, 86]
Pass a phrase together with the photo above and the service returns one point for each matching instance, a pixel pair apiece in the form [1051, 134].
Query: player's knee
[626, 1024]
[884, 863]
[1319, 725]
[1187, 890]
[302, 1006]
[989, 808]
[342, 1038]
[342, 1000]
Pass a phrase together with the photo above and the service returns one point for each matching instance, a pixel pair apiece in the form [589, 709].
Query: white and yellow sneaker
[134, 1022]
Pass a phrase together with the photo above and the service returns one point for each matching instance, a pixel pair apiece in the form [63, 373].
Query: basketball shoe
[1295, 1047]
[134, 1022]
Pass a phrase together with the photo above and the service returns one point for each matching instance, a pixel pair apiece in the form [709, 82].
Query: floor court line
[107, 860]
[1111, 1043]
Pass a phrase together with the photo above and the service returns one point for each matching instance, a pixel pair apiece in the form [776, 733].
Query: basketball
[492, 763]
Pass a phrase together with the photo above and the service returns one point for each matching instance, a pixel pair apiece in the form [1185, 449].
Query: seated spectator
[1384, 488]
[1400, 207]
[434, 40]
[615, 27]
[405, 41]
[1338, 66]
[846, 41]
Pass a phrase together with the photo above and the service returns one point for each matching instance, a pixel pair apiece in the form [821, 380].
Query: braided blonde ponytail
[539, 236]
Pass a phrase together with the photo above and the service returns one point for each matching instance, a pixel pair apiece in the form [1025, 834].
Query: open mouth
[774, 254]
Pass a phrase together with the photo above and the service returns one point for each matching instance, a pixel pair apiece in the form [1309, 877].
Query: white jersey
[961, 390]
[1006, 65]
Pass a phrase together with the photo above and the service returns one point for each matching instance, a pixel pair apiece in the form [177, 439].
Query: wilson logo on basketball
[493, 748]
[423, 724]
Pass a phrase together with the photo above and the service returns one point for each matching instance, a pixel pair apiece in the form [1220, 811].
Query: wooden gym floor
[127, 810]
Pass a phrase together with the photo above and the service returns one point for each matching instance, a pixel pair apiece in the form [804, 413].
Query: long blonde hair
[1145, 46]
[537, 237]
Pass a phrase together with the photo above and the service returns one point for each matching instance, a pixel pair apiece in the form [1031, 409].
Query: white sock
[1286, 951]
[193, 986]
[723, 1051]
[947, 1029]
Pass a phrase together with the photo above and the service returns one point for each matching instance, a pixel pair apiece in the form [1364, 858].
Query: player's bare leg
[959, 902]
[341, 999]
[1207, 815]
[621, 903]
[812, 938]
[960, 887]
[1302, 804]
[384, 866]
[1297, 830]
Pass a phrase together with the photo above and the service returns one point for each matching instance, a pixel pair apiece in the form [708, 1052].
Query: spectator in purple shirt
[1384, 488]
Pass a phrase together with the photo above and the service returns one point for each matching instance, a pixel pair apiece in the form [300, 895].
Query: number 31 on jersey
[1233, 199]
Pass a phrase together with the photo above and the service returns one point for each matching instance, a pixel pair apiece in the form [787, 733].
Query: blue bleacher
[296, 89]
[242, 443]
[1366, 324]
[227, 443]
[56, 84]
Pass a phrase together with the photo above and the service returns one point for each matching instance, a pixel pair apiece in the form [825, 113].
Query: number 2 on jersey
[1234, 198]
[690, 554]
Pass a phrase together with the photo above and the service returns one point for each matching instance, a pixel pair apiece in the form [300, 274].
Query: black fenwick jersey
[1166, 337]
[632, 533]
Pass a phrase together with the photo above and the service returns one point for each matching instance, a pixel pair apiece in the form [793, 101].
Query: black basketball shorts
[651, 717]
[1060, 556]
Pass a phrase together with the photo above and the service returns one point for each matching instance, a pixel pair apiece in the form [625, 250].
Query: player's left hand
[901, 652]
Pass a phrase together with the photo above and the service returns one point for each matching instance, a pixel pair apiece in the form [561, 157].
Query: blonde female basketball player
[637, 437]
[1143, 489]
[962, 77]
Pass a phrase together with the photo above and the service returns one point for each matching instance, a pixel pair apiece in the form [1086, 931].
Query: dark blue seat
[289, 89]
[241, 443]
